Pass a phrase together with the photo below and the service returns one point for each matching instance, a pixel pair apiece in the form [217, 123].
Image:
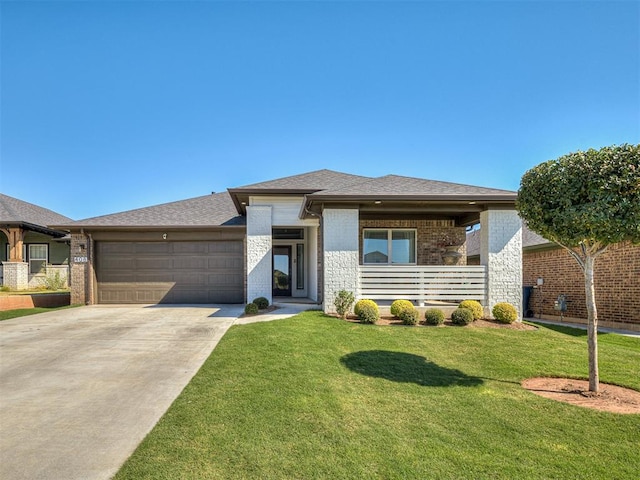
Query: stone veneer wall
[501, 252]
[432, 235]
[340, 240]
[15, 275]
[617, 280]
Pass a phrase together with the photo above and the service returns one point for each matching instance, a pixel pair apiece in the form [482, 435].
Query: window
[389, 246]
[38, 258]
[300, 266]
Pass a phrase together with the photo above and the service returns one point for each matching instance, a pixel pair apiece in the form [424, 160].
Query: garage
[170, 272]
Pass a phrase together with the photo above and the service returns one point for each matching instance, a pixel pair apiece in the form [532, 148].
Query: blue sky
[108, 106]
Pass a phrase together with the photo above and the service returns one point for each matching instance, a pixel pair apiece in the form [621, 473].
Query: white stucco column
[259, 269]
[340, 239]
[501, 253]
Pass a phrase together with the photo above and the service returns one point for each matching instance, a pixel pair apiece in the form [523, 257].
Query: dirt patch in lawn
[611, 398]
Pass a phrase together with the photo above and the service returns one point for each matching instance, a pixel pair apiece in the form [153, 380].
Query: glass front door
[282, 271]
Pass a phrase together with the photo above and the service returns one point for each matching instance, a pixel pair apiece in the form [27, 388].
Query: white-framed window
[389, 246]
[38, 256]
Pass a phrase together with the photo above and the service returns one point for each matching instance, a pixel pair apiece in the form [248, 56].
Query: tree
[584, 202]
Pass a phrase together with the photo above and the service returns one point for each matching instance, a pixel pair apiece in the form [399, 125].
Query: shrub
[398, 305]
[343, 303]
[505, 312]
[434, 316]
[251, 309]
[362, 303]
[474, 306]
[53, 282]
[261, 302]
[462, 316]
[409, 316]
[367, 311]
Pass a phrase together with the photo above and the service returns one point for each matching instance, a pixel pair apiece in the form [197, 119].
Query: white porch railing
[423, 283]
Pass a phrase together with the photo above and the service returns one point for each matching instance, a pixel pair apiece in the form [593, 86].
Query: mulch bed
[610, 398]
[390, 320]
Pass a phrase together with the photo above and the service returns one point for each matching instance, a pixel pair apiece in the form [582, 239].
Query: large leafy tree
[584, 202]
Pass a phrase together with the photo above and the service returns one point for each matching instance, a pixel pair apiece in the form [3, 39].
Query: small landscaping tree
[343, 303]
[584, 202]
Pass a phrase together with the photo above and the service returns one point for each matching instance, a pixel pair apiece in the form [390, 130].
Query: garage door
[170, 272]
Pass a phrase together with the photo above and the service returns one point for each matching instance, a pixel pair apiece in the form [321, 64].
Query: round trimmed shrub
[474, 306]
[362, 303]
[462, 316]
[434, 316]
[251, 309]
[409, 316]
[399, 305]
[369, 313]
[505, 312]
[261, 302]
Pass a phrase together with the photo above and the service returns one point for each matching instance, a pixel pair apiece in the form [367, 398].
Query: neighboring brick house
[617, 280]
[29, 248]
[307, 237]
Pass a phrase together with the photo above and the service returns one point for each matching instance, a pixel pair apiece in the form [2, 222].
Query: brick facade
[433, 236]
[259, 243]
[340, 240]
[617, 280]
[80, 269]
[501, 252]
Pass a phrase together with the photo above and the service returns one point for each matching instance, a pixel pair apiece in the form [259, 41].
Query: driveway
[80, 388]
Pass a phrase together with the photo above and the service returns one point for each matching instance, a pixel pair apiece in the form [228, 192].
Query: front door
[282, 271]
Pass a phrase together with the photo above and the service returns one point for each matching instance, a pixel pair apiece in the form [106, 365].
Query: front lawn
[317, 397]
[22, 312]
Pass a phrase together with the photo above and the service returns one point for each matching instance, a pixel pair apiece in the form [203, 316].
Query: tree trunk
[592, 325]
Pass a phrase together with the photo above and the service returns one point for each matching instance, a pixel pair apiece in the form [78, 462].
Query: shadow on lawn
[406, 368]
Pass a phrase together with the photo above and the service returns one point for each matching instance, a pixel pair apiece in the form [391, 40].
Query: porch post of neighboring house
[15, 271]
[79, 269]
[259, 242]
[501, 253]
[340, 239]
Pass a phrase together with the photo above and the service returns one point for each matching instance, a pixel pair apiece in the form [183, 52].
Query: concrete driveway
[80, 388]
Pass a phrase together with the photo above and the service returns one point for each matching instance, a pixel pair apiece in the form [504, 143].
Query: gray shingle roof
[529, 239]
[14, 211]
[399, 186]
[206, 211]
[307, 182]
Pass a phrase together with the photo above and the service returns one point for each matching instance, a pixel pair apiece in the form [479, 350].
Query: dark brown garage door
[170, 272]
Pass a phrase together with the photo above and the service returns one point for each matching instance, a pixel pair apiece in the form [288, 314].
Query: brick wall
[340, 240]
[501, 252]
[617, 280]
[259, 241]
[78, 268]
[431, 237]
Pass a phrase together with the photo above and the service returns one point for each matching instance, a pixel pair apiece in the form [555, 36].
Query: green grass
[22, 312]
[316, 397]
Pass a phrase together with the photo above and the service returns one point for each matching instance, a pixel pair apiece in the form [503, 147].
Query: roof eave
[52, 231]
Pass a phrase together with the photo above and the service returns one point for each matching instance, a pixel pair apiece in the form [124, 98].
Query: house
[305, 236]
[30, 249]
[551, 271]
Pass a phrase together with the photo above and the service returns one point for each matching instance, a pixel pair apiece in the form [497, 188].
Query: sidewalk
[627, 333]
[283, 310]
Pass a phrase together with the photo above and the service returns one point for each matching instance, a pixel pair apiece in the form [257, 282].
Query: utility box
[561, 303]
